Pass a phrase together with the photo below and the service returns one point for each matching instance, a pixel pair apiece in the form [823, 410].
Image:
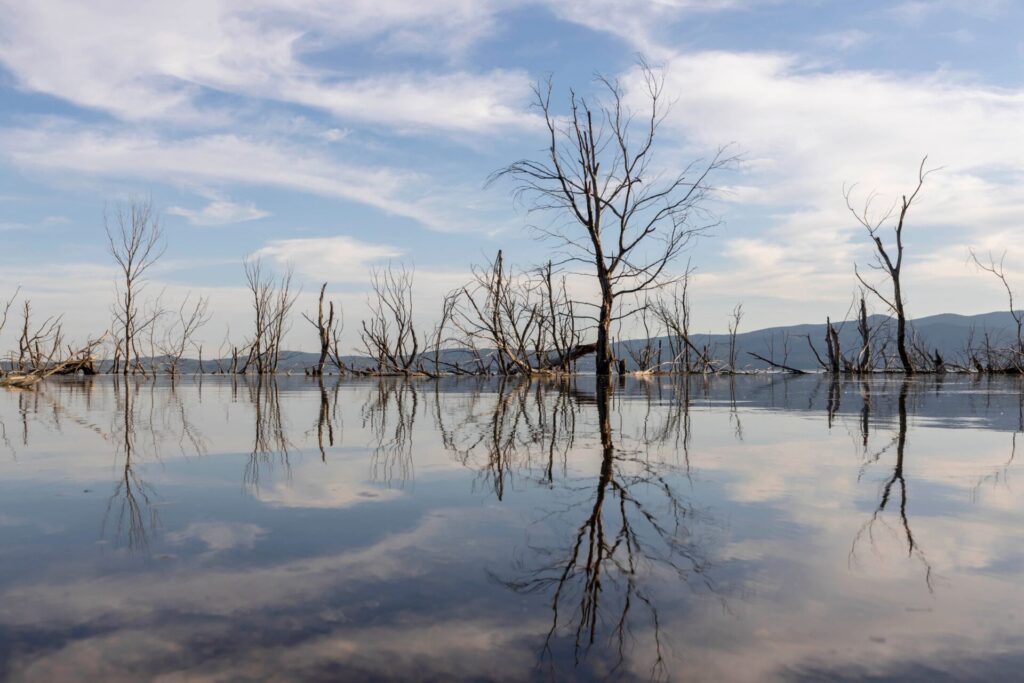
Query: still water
[747, 529]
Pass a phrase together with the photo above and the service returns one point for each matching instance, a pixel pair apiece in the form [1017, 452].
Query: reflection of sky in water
[386, 530]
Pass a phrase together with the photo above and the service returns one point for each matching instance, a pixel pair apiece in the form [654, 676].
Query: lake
[755, 528]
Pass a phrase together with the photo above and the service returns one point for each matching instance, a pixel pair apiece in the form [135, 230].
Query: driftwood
[80, 360]
[780, 366]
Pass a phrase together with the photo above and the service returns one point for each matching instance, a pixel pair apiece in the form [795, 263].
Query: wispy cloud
[220, 211]
[155, 61]
[228, 158]
[328, 258]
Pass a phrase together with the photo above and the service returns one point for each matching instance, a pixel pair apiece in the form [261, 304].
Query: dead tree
[389, 335]
[891, 265]
[835, 352]
[4, 314]
[673, 312]
[180, 335]
[646, 356]
[272, 302]
[734, 327]
[326, 330]
[1016, 354]
[135, 240]
[38, 345]
[864, 357]
[336, 330]
[613, 209]
[501, 314]
[559, 318]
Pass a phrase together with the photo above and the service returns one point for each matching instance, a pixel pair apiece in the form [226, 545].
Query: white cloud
[219, 536]
[844, 40]
[220, 211]
[230, 158]
[806, 132]
[327, 258]
[639, 21]
[155, 60]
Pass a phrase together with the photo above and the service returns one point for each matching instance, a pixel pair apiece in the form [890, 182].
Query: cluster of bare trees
[618, 222]
[874, 351]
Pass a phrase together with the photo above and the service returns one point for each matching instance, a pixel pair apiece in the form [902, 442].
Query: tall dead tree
[614, 209]
[864, 357]
[734, 328]
[326, 329]
[135, 240]
[5, 312]
[889, 263]
[1016, 360]
[835, 352]
[272, 302]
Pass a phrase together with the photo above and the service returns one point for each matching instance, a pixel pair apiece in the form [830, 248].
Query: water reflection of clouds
[775, 507]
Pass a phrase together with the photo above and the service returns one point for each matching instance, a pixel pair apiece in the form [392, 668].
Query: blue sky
[340, 135]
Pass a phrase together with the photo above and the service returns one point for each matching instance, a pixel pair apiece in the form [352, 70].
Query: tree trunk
[604, 358]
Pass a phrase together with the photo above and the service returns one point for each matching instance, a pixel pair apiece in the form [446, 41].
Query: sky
[339, 136]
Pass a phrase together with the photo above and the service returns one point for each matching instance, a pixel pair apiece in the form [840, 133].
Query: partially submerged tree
[1015, 360]
[135, 240]
[734, 327]
[887, 261]
[272, 302]
[389, 335]
[328, 332]
[180, 336]
[39, 344]
[613, 208]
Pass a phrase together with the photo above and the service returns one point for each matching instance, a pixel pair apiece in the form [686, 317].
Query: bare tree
[272, 301]
[734, 328]
[4, 314]
[864, 357]
[389, 335]
[40, 344]
[614, 210]
[891, 265]
[499, 312]
[180, 336]
[835, 352]
[996, 268]
[327, 329]
[673, 313]
[135, 239]
[560, 318]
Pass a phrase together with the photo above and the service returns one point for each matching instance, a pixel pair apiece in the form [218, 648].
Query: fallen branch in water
[27, 380]
[780, 366]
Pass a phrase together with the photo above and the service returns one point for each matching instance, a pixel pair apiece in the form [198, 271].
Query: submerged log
[80, 360]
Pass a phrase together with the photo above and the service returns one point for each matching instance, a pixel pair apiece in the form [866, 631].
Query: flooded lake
[746, 529]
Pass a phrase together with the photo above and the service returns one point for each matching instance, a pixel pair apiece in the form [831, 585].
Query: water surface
[747, 529]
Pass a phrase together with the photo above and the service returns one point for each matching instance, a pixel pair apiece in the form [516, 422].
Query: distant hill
[948, 333]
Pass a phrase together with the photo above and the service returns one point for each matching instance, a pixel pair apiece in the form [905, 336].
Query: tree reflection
[130, 511]
[270, 446]
[898, 482]
[634, 525]
[390, 414]
[520, 425]
[325, 420]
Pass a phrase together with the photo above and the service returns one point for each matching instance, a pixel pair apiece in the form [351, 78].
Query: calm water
[751, 530]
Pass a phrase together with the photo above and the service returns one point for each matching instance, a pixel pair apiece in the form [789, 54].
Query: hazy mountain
[949, 333]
